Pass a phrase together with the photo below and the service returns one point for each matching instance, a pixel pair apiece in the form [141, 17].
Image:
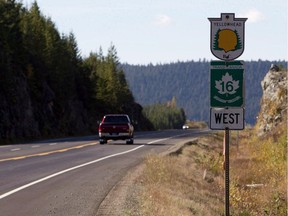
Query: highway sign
[227, 84]
[227, 118]
[227, 36]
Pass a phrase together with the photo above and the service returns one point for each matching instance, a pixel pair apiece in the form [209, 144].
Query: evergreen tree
[239, 43]
[11, 44]
[12, 52]
[165, 116]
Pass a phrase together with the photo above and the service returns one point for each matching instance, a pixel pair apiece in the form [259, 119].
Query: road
[72, 176]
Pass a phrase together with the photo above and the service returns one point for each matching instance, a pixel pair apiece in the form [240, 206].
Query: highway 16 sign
[226, 84]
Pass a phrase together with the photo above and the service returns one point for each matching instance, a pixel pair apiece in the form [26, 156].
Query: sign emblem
[227, 36]
[227, 84]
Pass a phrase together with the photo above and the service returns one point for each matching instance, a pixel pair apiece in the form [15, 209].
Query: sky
[165, 31]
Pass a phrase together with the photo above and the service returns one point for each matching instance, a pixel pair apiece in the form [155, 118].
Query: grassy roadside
[259, 174]
[190, 181]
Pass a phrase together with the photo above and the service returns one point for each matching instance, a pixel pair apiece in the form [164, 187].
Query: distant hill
[189, 83]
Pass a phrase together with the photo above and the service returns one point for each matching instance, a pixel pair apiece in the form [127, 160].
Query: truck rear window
[116, 119]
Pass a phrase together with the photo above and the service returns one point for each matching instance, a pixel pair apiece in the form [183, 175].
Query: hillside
[189, 83]
[46, 88]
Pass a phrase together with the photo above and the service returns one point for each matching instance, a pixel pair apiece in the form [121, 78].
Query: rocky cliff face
[31, 109]
[16, 110]
[24, 115]
[274, 100]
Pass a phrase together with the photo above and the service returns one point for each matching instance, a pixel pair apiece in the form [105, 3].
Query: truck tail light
[126, 128]
[100, 129]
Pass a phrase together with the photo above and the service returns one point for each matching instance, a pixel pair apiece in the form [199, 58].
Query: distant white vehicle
[185, 127]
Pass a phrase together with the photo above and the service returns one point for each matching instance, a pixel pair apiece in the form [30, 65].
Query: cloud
[253, 16]
[162, 20]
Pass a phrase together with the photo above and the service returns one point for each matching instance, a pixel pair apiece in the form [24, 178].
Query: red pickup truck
[116, 127]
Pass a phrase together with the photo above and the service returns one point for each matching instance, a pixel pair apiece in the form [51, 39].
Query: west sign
[227, 118]
[227, 36]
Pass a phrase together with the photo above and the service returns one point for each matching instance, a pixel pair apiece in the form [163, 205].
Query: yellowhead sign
[227, 36]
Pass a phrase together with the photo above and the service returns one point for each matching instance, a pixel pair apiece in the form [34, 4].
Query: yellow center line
[50, 152]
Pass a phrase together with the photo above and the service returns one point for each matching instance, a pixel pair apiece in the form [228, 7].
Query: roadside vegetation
[191, 181]
[188, 182]
[166, 115]
[259, 174]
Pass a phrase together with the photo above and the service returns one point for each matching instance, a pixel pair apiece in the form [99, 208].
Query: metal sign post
[227, 82]
[227, 180]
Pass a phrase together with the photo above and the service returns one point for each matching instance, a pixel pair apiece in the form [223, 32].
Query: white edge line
[4, 146]
[165, 139]
[64, 171]
[16, 149]
[76, 167]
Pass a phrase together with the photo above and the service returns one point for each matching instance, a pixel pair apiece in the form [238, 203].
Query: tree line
[46, 88]
[165, 115]
[189, 83]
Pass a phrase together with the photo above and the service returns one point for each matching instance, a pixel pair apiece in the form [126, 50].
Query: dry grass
[176, 185]
[198, 124]
[191, 181]
[260, 163]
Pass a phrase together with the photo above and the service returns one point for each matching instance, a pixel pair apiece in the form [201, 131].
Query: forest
[48, 90]
[189, 83]
[166, 115]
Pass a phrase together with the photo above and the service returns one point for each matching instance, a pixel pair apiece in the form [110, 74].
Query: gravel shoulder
[123, 197]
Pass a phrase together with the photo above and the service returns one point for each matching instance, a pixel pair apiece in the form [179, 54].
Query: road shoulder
[123, 197]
